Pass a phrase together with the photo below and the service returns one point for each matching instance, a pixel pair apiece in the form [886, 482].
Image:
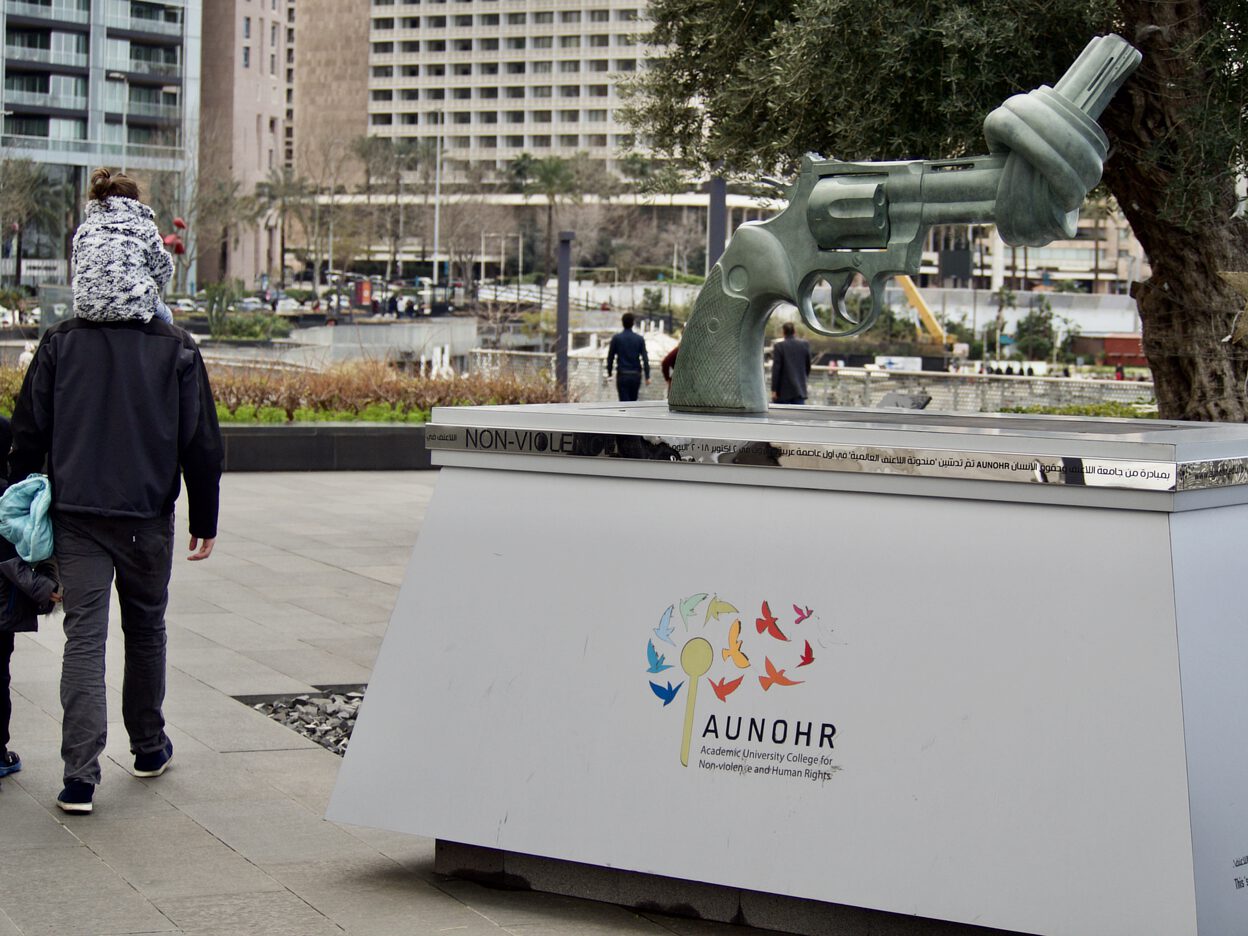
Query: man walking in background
[630, 348]
[790, 363]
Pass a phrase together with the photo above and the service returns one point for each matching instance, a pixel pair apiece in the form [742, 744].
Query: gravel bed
[326, 719]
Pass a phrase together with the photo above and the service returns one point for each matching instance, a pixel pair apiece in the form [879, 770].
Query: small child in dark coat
[25, 593]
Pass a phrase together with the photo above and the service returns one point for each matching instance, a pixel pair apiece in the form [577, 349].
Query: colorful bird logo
[774, 677]
[767, 624]
[664, 630]
[715, 608]
[689, 605]
[656, 659]
[733, 650]
[723, 669]
[668, 693]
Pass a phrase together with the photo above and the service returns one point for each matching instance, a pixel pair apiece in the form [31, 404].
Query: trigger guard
[840, 312]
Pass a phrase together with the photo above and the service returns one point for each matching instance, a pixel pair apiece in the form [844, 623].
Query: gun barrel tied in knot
[846, 219]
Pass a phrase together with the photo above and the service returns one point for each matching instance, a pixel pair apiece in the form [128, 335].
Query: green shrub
[252, 326]
[366, 391]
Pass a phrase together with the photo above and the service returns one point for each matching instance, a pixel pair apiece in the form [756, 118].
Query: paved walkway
[231, 841]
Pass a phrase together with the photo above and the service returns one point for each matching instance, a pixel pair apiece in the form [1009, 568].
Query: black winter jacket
[25, 593]
[118, 410]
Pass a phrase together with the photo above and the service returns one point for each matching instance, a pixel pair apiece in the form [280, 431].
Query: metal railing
[143, 67]
[45, 99]
[62, 12]
[144, 24]
[47, 56]
[845, 386]
[149, 109]
[171, 154]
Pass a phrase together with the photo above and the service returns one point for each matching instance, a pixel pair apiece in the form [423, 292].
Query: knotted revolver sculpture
[846, 219]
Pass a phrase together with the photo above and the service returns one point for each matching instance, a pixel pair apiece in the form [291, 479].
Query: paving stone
[171, 856]
[360, 650]
[310, 665]
[253, 914]
[273, 832]
[233, 673]
[60, 891]
[223, 629]
[372, 895]
[26, 823]
[305, 776]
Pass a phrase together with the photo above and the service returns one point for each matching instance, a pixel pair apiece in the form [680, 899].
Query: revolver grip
[720, 365]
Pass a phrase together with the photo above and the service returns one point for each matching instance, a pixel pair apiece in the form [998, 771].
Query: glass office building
[92, 83]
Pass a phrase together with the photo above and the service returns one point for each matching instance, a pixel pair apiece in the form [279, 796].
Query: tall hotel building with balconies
[497, 78]
[99, 83]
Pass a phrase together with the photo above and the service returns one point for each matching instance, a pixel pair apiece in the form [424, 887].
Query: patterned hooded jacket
[120, 263]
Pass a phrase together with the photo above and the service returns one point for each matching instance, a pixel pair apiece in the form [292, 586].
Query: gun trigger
[838, 299]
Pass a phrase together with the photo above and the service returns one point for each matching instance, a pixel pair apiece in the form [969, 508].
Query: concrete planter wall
[325, 447]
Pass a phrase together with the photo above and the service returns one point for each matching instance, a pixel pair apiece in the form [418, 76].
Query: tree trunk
[1186, 309]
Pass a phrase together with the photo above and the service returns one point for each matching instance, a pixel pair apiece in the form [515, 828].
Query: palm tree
[406, 156]
[553, 178]
[376, 155]
[24, 191]
[1099, 207]
[280, 193]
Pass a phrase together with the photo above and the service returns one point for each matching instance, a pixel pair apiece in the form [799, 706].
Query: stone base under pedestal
[653, 893]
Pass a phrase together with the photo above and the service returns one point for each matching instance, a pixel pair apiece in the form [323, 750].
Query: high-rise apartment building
[288, 144]
[497, 78]
[91, 83]
[242, 137]
[330, 93]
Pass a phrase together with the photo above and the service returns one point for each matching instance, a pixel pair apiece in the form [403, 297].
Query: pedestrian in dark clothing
[24, 594]
[409, 308]
[119, 409]
[630, 349]
[790, 363]
[392, 306]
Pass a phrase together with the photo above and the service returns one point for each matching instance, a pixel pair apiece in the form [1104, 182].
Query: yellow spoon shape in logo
[695, 660]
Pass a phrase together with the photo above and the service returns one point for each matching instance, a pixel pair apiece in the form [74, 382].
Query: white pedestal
[1028, 654]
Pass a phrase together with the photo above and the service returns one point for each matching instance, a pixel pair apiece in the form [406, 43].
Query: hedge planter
[325, 447]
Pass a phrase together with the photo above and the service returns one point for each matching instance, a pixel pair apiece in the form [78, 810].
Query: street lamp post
[125, 114]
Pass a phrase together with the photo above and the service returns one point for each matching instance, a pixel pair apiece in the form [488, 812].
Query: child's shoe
[10, 763]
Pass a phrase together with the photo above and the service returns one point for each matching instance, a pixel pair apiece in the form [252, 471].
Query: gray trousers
[91, 551]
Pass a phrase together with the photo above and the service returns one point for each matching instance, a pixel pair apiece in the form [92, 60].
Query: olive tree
[750, 87]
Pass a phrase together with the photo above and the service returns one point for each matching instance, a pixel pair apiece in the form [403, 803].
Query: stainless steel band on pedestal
[963, 464]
